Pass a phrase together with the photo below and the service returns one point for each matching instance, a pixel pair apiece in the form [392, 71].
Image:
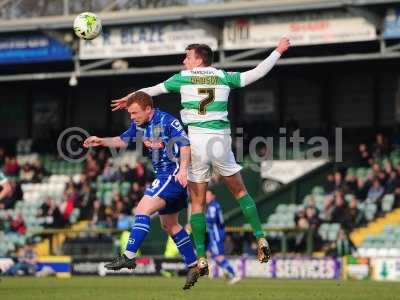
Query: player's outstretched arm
[112, 142]
[183, 165]
[266, 65]
[152, 91]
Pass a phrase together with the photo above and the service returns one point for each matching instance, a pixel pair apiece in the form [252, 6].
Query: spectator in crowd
[376, 191]
[329, 184]
[141, 176]
[128, 174]
[118, 202]
[92, 168]
[312, 217]
[365, 159]
[311, 203]
[27, 262]
[351, 183]
[393, 182]
[388, 166]
[339, 213]
[376, 170]
[18, 225]
[135, 194]
[338, 182]
[97, 215]
[300, 218]
[110, 221]
[397, 197]
[329, 206]
[110, 173]
[70, 201]
[51, 214]
[362, 188]
[5, 223]
[342, 246]
[11, 167]
[40, 171]
[308, 221]
[355, 216]
[122, 220]
[87, 197]
[26, 173]
[102, 158]
[381, 148]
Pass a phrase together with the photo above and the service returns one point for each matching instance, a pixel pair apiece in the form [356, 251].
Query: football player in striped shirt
[204, 94]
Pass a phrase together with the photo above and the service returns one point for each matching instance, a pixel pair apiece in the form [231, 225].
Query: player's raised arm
[152, 91]
[266, 65]
[171, 85]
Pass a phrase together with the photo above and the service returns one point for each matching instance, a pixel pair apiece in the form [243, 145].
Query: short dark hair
[212, 191]
[141, 98]
[204, 51]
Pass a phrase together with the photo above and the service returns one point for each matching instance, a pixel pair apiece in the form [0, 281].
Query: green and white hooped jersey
[204, 97]
[3, 178]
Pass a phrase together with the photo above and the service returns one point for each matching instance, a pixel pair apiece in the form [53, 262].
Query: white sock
[130, 254]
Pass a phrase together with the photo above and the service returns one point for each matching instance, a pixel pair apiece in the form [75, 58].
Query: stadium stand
[57, 194]
[369, 189]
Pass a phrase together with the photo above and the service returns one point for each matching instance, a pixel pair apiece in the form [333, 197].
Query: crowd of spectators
[345, 191]
[82, 194]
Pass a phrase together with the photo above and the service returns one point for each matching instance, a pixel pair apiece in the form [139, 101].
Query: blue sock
[138, 233]
[185, 246]
[227, 266]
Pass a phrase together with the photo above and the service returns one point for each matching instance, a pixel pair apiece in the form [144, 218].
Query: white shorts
[211, 152]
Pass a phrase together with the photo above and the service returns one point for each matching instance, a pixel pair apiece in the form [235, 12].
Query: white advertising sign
[145, 40]
[262, 33]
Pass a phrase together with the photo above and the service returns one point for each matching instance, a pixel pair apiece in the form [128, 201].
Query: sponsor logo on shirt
[213, 80]
[177, 125]
[202, 72]
[154, 144]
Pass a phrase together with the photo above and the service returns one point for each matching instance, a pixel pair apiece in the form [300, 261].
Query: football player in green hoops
[204, 94]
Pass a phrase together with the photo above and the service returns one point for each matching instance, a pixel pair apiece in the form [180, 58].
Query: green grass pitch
[97, 288]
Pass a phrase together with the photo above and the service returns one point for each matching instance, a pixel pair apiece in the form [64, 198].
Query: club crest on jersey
[157, 130]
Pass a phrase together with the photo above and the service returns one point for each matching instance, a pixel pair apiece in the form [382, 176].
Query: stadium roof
[238, 8]
[378, 49]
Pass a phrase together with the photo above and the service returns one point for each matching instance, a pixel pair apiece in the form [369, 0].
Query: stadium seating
[35, 194]
[284, 215]
[385, 244]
